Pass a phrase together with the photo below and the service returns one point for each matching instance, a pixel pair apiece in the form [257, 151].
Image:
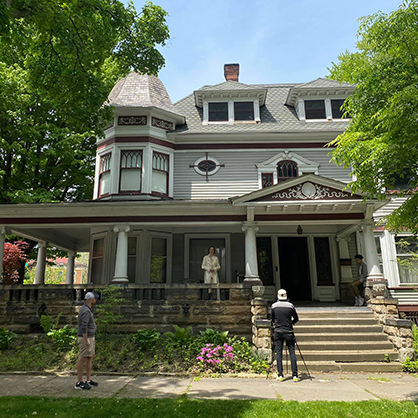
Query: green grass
[175, 408]
[379, 379]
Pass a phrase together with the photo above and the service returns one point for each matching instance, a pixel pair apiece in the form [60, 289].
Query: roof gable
[309, 187]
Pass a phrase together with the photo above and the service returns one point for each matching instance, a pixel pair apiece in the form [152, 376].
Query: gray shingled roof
[228, 85]
[141, 90]
[275, 116]
[324, 83]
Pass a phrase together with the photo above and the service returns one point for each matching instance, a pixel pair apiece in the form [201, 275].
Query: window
[206, 166]
[406, 249]
[315, 109]
[244, 110]
[286, 170]
[104, 176]
[160, 166]
[97, 261]
[403, 181]
[266, 180]
[158, 260]
[218, 112]
[130, 171]
[198, 248]
[337, 112]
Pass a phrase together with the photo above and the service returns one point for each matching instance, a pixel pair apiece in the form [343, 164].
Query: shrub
[410, 366]
[13, 257]
[211, 336]
[6, 338]
[415, 337]
[146, 339]
[48, 324]
[180, 336]
[64, 339]
[215, 358]
[105, 315]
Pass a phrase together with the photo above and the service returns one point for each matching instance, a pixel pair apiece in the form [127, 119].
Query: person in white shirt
[355, 286]
[210, 265]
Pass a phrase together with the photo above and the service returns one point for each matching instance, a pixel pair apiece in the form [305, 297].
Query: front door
[294, 267]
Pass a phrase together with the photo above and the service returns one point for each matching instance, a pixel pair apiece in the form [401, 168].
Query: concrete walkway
[329, 387]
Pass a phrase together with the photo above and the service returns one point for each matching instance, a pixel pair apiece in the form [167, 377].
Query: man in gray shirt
[86, 342]
[355, 286]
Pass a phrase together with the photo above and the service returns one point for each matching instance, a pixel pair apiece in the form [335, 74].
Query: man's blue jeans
[279, 339]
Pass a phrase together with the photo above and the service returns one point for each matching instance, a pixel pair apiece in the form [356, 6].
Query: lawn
[183, 407]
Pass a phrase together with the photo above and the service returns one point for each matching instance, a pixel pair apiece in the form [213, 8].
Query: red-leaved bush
[14, 256]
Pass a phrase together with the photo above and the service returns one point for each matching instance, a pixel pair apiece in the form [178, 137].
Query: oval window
[206, 165]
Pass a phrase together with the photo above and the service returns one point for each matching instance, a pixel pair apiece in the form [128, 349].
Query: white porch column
[251, 266]
[41, 263]
[2, 240]
[69, 275]
[121, 267]
[372, 260]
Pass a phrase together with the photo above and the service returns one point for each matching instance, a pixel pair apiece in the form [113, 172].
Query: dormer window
[244, 111]
[315, 109]
[286, 170]
[337, 112]
[218, 112]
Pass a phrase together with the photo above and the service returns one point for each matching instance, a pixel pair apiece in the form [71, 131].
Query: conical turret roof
[141, 90]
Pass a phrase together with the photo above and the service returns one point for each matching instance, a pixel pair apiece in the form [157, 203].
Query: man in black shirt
[283, 317]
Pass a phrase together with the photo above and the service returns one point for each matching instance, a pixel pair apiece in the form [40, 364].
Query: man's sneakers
[82, 386]
[280, 378]
[360, 301]
[296, 379]
[92, 383]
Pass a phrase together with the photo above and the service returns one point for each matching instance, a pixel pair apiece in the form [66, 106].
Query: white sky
[274, 41]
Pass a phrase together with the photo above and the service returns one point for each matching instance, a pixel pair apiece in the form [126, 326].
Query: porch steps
[342, 339]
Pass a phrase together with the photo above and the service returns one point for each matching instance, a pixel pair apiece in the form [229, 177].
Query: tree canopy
[58, 61]
[381, 143]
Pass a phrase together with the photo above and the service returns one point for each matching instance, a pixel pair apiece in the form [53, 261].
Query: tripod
[301, 356]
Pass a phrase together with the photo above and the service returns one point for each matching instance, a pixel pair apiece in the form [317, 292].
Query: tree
[14, 256]
[381, 142]
[58, 61]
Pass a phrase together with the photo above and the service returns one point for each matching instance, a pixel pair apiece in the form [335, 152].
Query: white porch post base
[251, 267]
[121, 267]
[40, 263]
[69, 275]
[372, 259]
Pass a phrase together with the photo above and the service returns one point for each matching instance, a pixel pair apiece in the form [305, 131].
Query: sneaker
[82, 386]
[92, 383]
[356, 301]
[280, 378]
[296, 379]
[360, 301]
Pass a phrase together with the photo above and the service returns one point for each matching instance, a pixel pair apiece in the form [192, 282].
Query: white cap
[89, 295]
[282, 294]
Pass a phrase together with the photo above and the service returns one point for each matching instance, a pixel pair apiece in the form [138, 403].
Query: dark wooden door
[294, 267]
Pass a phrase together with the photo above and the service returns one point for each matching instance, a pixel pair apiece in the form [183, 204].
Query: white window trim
[328, 109]
[118, 154]
[209, 158]
[401, 235]
[226, 237]
[170, 153]
[231, 112]
[305, 166]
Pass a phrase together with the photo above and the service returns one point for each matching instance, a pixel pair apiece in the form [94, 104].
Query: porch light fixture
[299, 230]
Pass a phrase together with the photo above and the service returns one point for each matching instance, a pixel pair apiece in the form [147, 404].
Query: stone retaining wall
[399, 331]
[225, 307]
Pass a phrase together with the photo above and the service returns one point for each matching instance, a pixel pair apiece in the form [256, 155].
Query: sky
[274, 41]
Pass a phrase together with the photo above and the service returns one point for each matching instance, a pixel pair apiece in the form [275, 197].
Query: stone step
[339, 314]
[341, 367]
[345, 345]
[312, 329]
[347, 355]
[365, 336]
[337, 321]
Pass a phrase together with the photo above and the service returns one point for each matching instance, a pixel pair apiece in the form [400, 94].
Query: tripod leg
[301, 356]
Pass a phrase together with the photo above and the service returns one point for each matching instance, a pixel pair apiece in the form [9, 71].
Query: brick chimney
[231, 72]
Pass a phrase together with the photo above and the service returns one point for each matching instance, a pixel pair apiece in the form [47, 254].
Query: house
[241, 167]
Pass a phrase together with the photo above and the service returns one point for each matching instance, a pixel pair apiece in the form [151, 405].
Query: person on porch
[283, 317]
[210, 265]
[355, 286]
